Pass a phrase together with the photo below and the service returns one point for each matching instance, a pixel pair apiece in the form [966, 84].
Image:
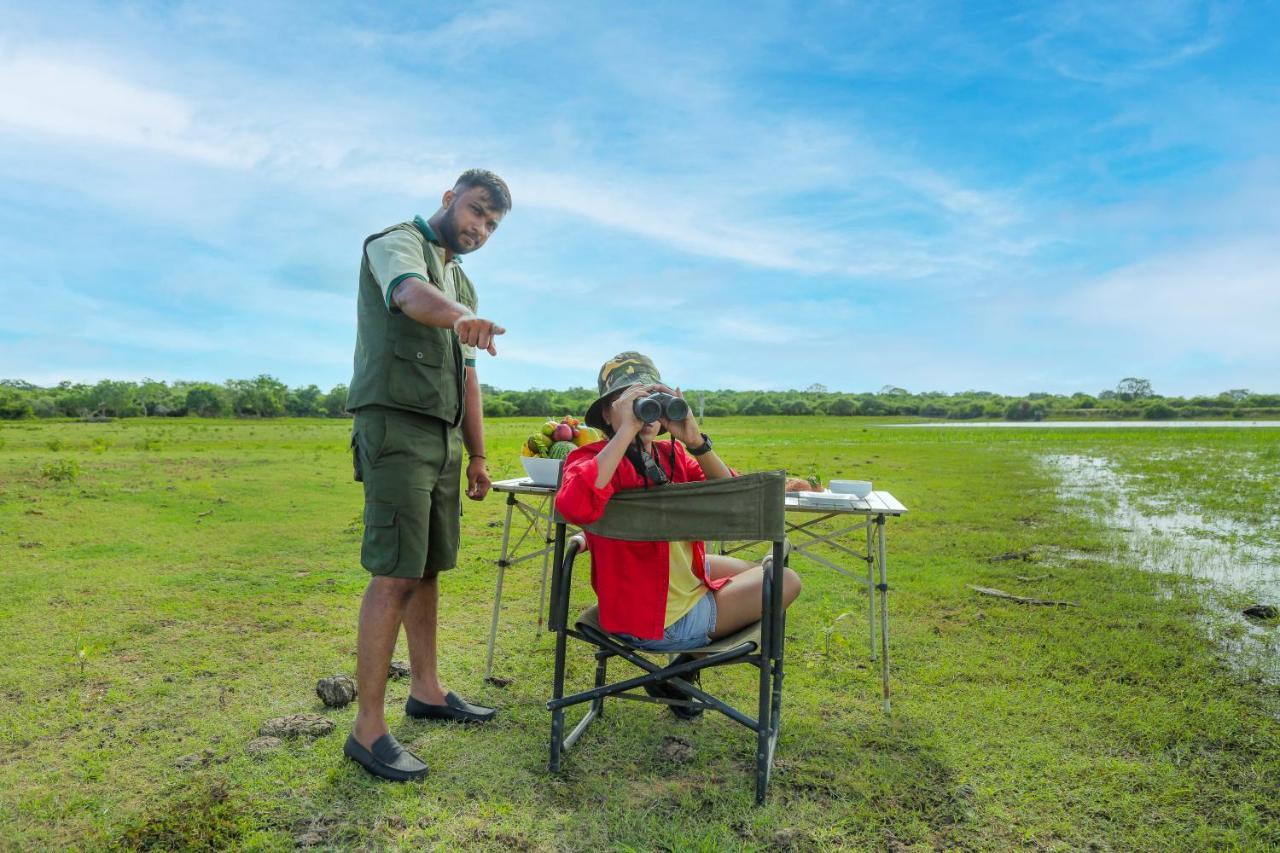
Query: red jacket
[630, 578]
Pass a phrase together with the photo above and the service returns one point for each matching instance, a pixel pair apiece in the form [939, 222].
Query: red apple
[563, 432]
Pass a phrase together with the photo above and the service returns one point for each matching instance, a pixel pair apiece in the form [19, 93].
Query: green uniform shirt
[400, 363]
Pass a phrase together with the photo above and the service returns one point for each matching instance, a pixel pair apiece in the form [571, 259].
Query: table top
[521, 486]
[876, 503]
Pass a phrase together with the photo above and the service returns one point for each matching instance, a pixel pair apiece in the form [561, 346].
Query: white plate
[826, 497]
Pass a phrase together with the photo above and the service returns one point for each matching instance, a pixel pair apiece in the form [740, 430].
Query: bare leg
[726, 567]
[381, 612]
[738, 601]
[420, 621]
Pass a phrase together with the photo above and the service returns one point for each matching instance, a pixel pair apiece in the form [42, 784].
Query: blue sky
[940, 196]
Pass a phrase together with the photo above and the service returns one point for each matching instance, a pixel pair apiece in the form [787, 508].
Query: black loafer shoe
[387, 759]
[455, 708]
[665, 690]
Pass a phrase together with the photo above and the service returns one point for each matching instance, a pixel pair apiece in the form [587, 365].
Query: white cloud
[1222, 299]
[49, 96]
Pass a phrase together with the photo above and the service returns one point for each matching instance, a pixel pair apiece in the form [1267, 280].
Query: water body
[1089, 425]
[1204, 549]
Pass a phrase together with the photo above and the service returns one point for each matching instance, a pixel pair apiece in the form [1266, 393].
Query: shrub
[61, 471]
[148, 443]
[1021, 410]
[1159, 412]
[760, 406]
[843, 407]
[54, 444]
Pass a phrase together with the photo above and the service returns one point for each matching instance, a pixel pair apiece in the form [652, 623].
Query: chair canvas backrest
[747, 508]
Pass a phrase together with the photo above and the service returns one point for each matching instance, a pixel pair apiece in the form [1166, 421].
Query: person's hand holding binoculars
[677, 418]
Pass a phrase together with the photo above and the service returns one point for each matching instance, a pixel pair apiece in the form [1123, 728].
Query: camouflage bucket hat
[621, 371]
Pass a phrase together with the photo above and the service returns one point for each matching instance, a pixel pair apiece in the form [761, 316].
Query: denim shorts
[688, 632]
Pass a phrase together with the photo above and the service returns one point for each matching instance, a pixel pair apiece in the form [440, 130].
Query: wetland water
[1225, 561]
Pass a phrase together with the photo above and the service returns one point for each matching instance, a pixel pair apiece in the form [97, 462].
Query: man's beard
[449, 231]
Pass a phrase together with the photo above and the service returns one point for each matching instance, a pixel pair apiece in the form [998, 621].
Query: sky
[941, 196]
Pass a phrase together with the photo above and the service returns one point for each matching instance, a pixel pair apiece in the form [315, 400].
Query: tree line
[267, 397]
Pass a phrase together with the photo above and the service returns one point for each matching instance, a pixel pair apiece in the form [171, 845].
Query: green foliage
[267, 397]
[61, 471]
[14, 405]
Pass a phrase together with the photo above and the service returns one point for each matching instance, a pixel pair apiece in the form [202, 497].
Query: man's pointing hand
[478, 332]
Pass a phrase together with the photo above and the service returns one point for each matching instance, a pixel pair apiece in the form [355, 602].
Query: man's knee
[396, 589]
[791, 585]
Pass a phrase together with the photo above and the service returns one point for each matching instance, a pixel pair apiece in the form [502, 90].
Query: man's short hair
[499, 195]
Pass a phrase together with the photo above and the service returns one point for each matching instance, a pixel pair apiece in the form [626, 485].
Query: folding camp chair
[746, 508]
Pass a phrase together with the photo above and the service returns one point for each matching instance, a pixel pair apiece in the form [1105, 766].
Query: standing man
[416, 401]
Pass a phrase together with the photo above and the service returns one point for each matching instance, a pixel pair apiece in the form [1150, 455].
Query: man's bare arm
[426, 304]
[478, 482]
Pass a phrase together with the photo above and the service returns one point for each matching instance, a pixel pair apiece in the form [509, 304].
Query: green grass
[170, 585]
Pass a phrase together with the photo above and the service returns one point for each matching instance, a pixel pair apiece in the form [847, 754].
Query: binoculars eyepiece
[660, 404]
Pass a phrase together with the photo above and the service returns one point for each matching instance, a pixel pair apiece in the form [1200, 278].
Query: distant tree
[207, 400]
[1022, 410]
[14, 404]
[843, 407]
[761, 405]
[264, 396]
[796, 407]
[157, 399]
[1133, 388]
[816, 388]
[497, 406]
[305, 402]
[335, 402]
[869, 405]
[1159, 412]
[893, 390]
[1238, 394]
[116, 398]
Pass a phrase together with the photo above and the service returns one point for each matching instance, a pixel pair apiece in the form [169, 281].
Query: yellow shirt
[684, 589]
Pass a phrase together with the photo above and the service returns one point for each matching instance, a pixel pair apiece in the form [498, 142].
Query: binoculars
[659, 404]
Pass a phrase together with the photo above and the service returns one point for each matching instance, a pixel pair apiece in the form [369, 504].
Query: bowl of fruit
[544, 451]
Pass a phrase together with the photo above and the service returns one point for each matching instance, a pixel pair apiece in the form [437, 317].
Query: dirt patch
[336, 691]
[676, 750]
[296, 725]
[260, 745]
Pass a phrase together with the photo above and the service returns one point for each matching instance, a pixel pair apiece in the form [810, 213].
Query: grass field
[169, 585]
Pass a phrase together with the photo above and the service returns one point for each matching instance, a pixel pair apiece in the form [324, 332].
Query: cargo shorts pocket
[381, 546]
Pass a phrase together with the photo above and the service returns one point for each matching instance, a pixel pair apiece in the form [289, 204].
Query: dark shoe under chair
[666, 690]
[386, 759]
[455, 709]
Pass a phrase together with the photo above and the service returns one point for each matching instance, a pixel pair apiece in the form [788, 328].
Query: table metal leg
[884, 613]
[546, 561]
[871, 594]
[497, 593]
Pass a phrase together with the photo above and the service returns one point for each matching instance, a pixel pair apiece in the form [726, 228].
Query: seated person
[659, 596]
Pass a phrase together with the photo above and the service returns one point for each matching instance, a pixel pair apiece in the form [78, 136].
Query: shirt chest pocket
[417, 377]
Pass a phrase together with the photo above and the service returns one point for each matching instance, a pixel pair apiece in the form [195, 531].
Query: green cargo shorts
[411, 467]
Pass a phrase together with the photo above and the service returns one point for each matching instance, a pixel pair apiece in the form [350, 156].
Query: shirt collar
[427, 231]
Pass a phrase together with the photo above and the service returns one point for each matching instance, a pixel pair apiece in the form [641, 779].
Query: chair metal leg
[768, 626]
[560, 588]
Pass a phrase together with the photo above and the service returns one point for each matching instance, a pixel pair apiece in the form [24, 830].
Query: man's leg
[420, 620]
[381, 613]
